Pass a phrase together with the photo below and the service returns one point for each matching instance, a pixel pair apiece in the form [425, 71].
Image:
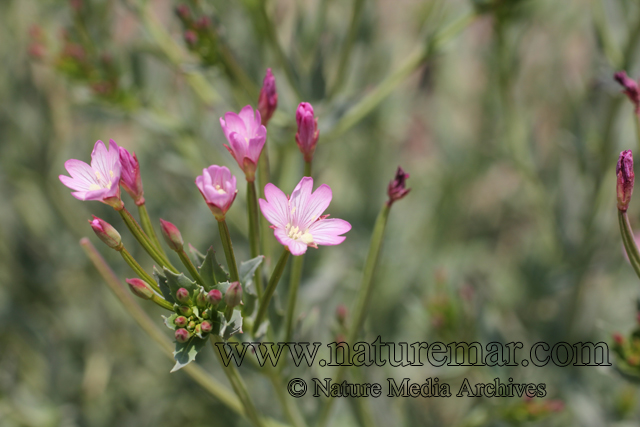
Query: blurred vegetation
[504, 112]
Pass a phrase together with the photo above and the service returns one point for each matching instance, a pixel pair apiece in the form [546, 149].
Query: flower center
[295, 233]
[101, 182]
[219, 189]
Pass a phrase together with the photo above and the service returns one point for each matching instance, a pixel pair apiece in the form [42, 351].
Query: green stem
[291, 412]
[629, 242]
[254, 232]
[271, 288]
[137, 268]
[637, 123]
[264, 176]
[225, 238]
[190, 267]
[143, 239]
[307, 168]
[345, 53]
[294, 284]
[364, 297]
[147, 226]
[237, 384]
[162, 302]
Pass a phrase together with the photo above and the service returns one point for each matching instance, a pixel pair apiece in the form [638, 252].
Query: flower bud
[341, 314]
[182, 10]
[214, 296]
[397, 187]
[630, 88]
[618, 338]
[130, 178]
[140, 289]
[106, 233]
[268, 99]
[191, 326]
[308, 134]
[202, 300]
[182, 335]
[185, 310]
[182, 295]
[625, 179]
[181, 321]
[206, 327]
[233, 297]
[172, 235]
[190, 37]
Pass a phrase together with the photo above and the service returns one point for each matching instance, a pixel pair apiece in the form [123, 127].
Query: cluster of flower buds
[627, 351]
[199, 34]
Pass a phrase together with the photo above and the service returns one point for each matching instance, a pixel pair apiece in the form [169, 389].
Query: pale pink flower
[268, 99]
[130, 178]
[218, 187]
[308, 134]
[298, 221]
[246, 136]
[98, 181]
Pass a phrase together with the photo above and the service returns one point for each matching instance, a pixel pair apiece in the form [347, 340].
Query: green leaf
[248, 269]
[196, 255]
[170, 321]
[161, 279]
[177, 281]
[219, 271]
[185, 353]
[233, 326]
[206, 270]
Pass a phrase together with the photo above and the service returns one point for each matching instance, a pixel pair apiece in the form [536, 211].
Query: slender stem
[294, 284]
[143, 239]
[629, 242]
[271, 288]
[190, 267]
[637, 123]
[147, 226]
[162, 302]
[129, 259]
[347, 46]
[237, 384]
[307, 168]
[254, 232]
[362, 303]
[291, 412]
[225, 238]
[199, 375]
[264, 177]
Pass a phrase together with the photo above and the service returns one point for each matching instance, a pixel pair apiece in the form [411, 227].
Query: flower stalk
[147, 227]
[629, 242]
[137, 268]
[254, 231]
[271, 288]
[225, 238]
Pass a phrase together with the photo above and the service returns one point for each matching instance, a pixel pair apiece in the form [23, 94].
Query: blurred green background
[504, 112]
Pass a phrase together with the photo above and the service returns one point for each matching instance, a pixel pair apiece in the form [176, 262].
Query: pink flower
[298, 221]
[130, 178]
[218, 187]
[268, 100]
[246, 136]
[397, 188]
[98, 181]
[308, 134]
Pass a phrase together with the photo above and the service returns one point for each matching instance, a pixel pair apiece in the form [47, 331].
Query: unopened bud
[181, 321]
[233, 297]
[203, 23]
[185, 310]
[206, 327]
[214, 296]
[182, 11]
[397, 187]
[341, 314]
[268, 99]
[182, 335]
[191, 326]
[625, 179]
[630, 88]
[618, 338]
[182, 295]
[190, 37]
[202, 299]
[172, 235]
[106, 233]
[140, 289]
[308, 133]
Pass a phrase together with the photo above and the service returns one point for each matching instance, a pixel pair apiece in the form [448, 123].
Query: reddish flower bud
[206, 327]
[172, 235]
[214, 296]
[308, 134]
[630, 88]
[182, 10]
[233, 296]
[182, 295]
[268, 99]
[130, 178]
[341, 314]
[203, 23]
[190, 37]
[140, 289]
[106, 233]
[181, 321]
[625, 179]
[618, 338]
[397, 187]
[182, 335]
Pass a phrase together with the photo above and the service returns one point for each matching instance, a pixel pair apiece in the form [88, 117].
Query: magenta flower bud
[214, 296]
[308, 134]
[341, 314]
[268, 99]
[140, 289]
[218, 187]
[618, 339]
[182, 295]
[206, 327]
[190, 37]
[182, 10]
[203, 23]
[106, 233]
[625, 179]
[182, 335]
[130, 178]
[630, 88]
[246, 136]
[181, 321]
[397, 187]
[233, 297]
[172, 235]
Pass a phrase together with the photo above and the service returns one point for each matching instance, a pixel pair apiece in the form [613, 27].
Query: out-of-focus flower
[190, 37]
[171, 235]
[308, 133]
[98, 181]
[182, 10]
[630, 88]
[246, 136]
[298, 221]
[130, 178]
[233, 296]
[106, 233]
[625, 179]
[218, 187]
[140, 289]
[397, 187]
[268, 99]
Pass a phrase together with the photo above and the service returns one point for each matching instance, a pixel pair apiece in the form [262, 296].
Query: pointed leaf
[196, 256]
[161, 279]
[177, 281]
[185, 353]
[233, 326]
[248, 269]
[207, 268]
[219, 271]
[170, 321]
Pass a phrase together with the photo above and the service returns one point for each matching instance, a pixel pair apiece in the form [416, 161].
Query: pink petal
[255, 148]
[295, 247]
[249, 118]
[309, 206]
[276, 208]
[233, 123]
[327, 231]
[82, 176]
[239, 147]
